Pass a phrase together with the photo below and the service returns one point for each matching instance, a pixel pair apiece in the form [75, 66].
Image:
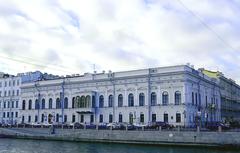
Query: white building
[9, 98]
[10, 94]
[179, 95]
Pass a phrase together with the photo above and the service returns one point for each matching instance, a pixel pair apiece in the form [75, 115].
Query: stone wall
[139, 137]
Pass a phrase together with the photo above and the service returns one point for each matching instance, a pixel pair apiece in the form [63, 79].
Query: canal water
[39, 146]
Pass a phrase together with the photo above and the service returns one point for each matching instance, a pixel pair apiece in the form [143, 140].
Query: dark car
[158, 124]
[214, 126]
[90, 126]
[78, 125]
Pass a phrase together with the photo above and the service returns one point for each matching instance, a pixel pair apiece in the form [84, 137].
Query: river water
[40, 146]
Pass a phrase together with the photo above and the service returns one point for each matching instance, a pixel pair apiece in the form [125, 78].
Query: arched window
[65, 102]
[87, 102]
[110, 101]
[73, 102]
[30, 104]
[177, 98]
[101, 101]
[77, 102]
[36, 104]
[153, 99]
[50, 103]
[165, 98]
[43, 103]
[130, 100]
[141, 99]
[58, 103]
[23, 104]
[83, 102]
[120, 118]
[120, 100]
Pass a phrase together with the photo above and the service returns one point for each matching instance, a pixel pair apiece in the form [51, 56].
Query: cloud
[120, 35]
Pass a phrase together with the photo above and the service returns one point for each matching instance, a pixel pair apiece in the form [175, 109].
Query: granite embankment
[221, 139]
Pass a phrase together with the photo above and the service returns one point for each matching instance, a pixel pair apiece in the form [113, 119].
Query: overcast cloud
[69, 36]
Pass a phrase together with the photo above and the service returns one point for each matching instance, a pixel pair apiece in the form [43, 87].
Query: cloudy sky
[70, 36]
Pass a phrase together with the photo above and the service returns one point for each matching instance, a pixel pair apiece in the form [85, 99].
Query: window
[5, 93]
[110, 118]
[165, 98]
[11, 114]
[177, 98]
[42, 118]
[131, 118]
[29, 119]
[57, 117]
[4, 114]
[178, 117]
[43, 103]
[23, 104]
[196, 99]
[192, 98]
[36, 118]
[130, 100]
[82, 118]
[8, 104]
[17, 92]
[165, 117]
[58, 103]
[120, 118]
[110, 101]
[16, 104]
[50, 103]
[65, 118]
[101, 101]
[154, 117]
[12, 104]
[16, 114]
[141, 118]
[120, 100]
[73, 118]
[73, 102]
[93, 101]
[23, 119]
[5, 84]
[18, 82]
[153, 99]
[13, 82]
[65, 102]
[206, 100]
[13, 92]
[91, 118]
[200, 100]
[4, 105]
[141, 99]
[100, 118]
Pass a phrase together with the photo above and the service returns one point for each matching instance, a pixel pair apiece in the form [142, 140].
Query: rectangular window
[82, 119]
[16, 104]
[7, 114]
[65, 118]
[165, 118]
[36, 118]
[100, 118]
[12, 114]
[0, 93]
[5, 84]
[13, 82]
[200, 100]
[178, 117]
[196, 99]
[29, 119]
[73, 118]
[17, 92]
[16, 114]
[23, 119]
[192, 98]
[120, 118]
[142, 118]
[4, 114]
[5, 93]
[92, 118]
[154, 117]
[110, 118]
[206, 102]
[4, 105]
[12, 104]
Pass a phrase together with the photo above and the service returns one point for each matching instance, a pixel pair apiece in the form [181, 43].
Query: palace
[179, 95]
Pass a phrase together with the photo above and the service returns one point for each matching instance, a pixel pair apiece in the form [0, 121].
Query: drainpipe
[149, 95]
[62, 99]
[39, 98]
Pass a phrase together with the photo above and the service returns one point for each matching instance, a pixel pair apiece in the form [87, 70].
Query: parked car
[113, 125]
[90, 126]
[139, 126]
[215, 125]
[158, 124]
[102, 126]
[78, 125]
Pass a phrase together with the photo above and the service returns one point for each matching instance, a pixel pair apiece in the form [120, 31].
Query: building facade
[10, 94]
[179, 95]
[230, 96]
